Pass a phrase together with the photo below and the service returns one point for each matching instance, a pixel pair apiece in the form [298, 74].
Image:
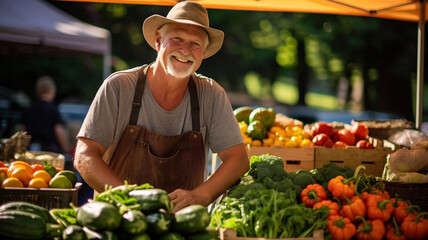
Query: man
[43, 121]
[156, 123]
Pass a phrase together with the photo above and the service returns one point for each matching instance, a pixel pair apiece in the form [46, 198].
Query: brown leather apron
[166, 162]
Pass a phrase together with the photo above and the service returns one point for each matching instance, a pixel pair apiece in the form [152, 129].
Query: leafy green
[267, 213]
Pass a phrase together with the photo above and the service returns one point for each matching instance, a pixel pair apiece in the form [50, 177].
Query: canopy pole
[420, 70]
[107, 58]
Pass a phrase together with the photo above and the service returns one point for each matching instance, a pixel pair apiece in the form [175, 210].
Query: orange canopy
[404, 10]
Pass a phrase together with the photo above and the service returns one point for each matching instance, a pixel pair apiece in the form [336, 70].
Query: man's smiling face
[181, 48]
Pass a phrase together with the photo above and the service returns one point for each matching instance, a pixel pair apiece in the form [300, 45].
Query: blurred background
[312, 67]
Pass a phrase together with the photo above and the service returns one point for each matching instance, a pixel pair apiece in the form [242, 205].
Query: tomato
[360, 130]
[322, 139]
[37, 167]
[2, 164]
[339, 144]
[344, 135]
[322, 127]
[364, 144]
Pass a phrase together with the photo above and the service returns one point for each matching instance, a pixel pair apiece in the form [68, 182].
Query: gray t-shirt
[111, 108]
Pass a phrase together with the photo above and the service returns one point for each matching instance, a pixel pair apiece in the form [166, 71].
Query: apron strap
[194, 104]
[138, 95]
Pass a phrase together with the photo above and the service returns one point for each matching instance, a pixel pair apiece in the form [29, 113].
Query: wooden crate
[373, 159]
[294, 158]
[230, 234]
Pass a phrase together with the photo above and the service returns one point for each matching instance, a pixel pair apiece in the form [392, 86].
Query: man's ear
[157, 42]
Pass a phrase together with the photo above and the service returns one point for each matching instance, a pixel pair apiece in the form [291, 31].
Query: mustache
[182, 56]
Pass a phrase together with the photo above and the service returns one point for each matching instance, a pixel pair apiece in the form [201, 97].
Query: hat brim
[154, 22]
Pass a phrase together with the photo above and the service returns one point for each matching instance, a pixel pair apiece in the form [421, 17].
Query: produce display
[125, 212]
[21, 174]
[271, 203]
[264, 127]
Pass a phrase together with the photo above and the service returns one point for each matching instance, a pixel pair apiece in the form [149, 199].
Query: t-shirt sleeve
[101, 120]
[224, 130]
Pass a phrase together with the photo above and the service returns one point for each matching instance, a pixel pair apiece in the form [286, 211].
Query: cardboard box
[373, 159]
[230, 234]
[294, 158]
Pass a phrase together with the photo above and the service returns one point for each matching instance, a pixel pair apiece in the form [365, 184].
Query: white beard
[173, 71]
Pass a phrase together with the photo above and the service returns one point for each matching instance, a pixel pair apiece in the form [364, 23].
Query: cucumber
[74, 232]
[158, 223]
[28, 207]
[134, 222]
[16, 224]
[99, 216]
[194, 218]
[172, 236]
[151, 200]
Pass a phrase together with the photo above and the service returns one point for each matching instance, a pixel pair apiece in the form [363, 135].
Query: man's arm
[235, 165]
[88, 161]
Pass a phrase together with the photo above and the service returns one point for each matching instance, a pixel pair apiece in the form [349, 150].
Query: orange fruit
[22, 164]
[43, 175]
[37, 183]
[4, 169]
[22, 174]
[36, 167]
[12, 182]
[58, 169]
[13, 168]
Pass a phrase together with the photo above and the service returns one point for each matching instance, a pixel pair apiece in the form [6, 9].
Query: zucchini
[99, 235]
[143, 236]
[208, 234]
[28, 207]
[74, 232]
[158, 223]
[172, 236]
[16, 224]
[98, 216]
[151, 200]
[194, 218]
[134, 222]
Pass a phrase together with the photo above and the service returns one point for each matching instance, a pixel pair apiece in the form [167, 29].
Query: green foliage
[268, 213]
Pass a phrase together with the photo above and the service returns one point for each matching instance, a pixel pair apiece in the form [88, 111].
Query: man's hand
[183, 198]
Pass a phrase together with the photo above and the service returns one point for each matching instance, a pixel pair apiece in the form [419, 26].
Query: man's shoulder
[124, 74]
[206, 82]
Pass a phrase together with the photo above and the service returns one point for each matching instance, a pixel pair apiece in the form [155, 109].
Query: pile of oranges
[22, 174]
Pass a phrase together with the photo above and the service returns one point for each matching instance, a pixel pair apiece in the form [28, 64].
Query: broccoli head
[303, 179]
[267, 166]
[239, 190]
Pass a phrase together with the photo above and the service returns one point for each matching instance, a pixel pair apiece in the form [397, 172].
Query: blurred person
[157, 123]
[43, 121]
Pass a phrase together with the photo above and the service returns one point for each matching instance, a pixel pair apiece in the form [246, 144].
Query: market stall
[314, 181]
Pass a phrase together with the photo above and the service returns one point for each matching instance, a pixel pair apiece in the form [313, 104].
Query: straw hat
[186, 12]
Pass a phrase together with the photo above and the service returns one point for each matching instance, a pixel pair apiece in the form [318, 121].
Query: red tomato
[360, 130]
[344, 135]
[2, 164]
[322, 139]
[364, 144]
[322, 127]
[339, 144]
[37, 167]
